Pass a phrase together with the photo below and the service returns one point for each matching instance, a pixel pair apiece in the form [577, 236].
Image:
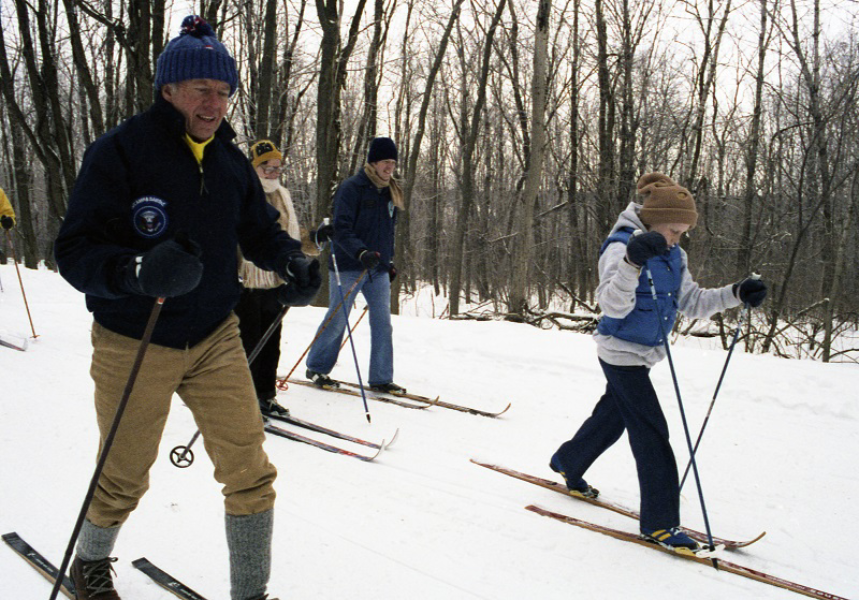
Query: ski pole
[282, 383]
[682, 411]
[348, 330]
[716, 393]
[108, 441]
[20, 281]
[182, 456]
[363, 314]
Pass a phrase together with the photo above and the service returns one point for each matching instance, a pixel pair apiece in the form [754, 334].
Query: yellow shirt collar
[197, 147]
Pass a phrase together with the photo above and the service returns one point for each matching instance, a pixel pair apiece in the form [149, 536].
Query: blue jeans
[376, 288]
[630, 403]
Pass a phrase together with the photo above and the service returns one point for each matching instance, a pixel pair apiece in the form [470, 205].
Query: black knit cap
[382, 148]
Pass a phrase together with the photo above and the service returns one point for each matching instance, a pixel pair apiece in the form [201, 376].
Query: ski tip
[506, 408]
[376, 455]
[9, 537]
[393, 438]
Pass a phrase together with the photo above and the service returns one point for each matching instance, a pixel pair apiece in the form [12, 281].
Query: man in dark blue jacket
[158, 209]
[365, 213]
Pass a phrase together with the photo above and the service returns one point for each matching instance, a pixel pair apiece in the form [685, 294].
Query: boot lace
[97, 576]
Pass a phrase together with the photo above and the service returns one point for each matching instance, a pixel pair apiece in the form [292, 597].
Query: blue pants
[376, 288]
[630, 404]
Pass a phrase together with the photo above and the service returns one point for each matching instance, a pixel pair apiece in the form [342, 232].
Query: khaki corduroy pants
[213, 380]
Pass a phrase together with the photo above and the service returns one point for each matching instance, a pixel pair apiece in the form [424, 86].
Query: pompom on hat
[264, 150]
[382, 148]
[196, 54]
[665, 201]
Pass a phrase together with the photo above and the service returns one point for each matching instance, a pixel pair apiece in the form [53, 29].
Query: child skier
[630, 341]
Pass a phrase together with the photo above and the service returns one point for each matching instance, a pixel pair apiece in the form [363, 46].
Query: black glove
[392, 272]
[303, 280]
[290, 295]
[171, 268]
[751, 291]
[369, 259]
[323, 234]
[642, 248]
[7, 222]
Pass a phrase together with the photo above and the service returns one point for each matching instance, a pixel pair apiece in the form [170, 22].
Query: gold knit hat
[264, 150]
[665, 201]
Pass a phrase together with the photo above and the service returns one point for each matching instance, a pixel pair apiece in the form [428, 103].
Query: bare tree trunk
[744, 250]
[472, 128]
[140, 38]
[332, 78]
[263, 127]
[838, 271]
[605, 188]
[289, 103]
[818, 144]
[83, 70]
[539, 95]
[633, 24]
[704, 83]
[50, 139]
[367, 124]
[26, 224]
[414, 154]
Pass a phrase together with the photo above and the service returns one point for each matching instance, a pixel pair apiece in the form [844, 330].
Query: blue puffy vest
[641, 325]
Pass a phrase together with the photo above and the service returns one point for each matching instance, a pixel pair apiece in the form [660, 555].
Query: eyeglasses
[272, 170]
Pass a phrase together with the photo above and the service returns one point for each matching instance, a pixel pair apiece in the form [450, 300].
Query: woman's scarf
[396, 190]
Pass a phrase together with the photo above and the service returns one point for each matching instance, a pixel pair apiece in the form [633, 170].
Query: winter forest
[522, 128]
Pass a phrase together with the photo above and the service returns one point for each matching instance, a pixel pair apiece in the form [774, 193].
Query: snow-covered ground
[422, 522]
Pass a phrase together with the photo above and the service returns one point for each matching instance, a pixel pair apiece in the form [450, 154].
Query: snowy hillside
[422, 522]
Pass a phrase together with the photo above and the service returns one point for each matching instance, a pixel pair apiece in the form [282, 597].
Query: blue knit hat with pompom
[195, 54]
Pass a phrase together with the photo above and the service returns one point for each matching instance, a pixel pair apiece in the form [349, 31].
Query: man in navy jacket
[159, 207]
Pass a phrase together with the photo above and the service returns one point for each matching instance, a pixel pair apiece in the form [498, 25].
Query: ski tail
[39, 562]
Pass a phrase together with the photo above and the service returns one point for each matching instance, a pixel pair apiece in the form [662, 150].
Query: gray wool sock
[95, 543]
[249, 541]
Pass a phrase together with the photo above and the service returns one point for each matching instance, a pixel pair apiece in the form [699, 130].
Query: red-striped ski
[723, 565]
[435, 402]
[380, 398]
[628, 512]
[331, 432]
[291, 435]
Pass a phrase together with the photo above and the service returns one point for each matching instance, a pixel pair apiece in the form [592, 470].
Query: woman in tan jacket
[259, 306]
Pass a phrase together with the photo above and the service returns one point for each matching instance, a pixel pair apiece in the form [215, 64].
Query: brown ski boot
[93, 579]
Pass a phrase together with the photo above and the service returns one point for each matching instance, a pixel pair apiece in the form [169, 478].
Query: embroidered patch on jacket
[149, 216]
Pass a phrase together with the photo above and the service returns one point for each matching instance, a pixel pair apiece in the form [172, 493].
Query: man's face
[203, 103]
[385, 168]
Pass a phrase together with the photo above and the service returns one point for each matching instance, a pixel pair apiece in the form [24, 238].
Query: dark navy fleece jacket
[364, 219]
[140, 185]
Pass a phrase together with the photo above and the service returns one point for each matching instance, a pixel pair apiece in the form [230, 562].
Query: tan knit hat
[264, 150]
[665, 201]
